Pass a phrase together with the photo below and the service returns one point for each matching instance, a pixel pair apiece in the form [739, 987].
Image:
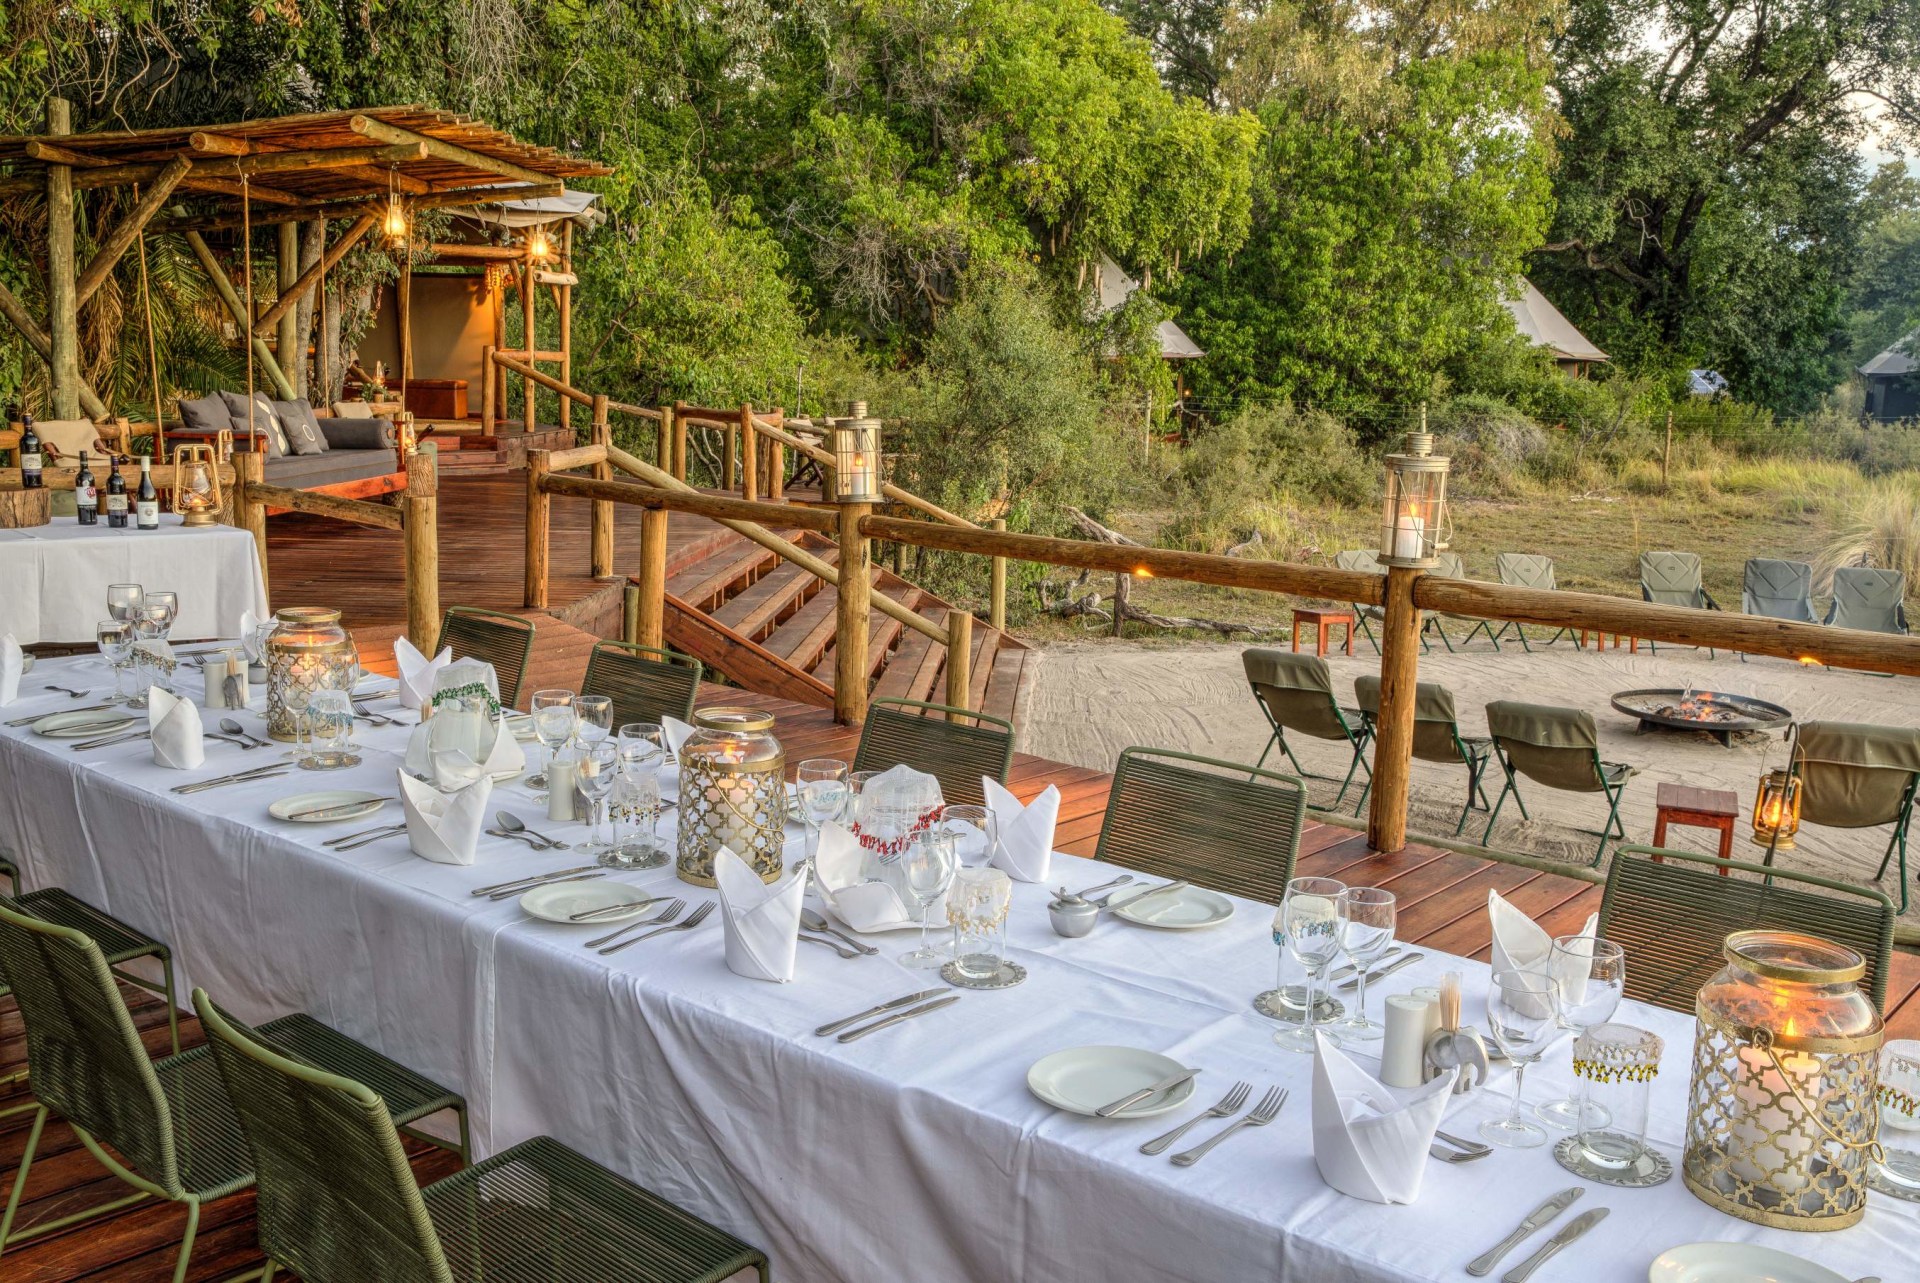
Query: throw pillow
[352, 410]
[208, 415]
[265, 421]
[303, 430]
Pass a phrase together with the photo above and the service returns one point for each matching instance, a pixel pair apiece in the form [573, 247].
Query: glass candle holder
[306, 653]
[1899, 1171]
[733, 793]
[1615, 1066]
[977, 908]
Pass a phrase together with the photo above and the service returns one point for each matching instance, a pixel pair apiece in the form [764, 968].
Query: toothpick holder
[1462, 1050]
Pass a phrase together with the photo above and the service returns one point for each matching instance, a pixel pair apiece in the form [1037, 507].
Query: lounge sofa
[305, 450]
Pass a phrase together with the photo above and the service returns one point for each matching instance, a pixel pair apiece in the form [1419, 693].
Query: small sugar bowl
[1072, 915]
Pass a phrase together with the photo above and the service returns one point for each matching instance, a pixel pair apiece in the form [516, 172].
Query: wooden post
[1122, 589]
[249, 513]
[287, 345]
[262, 353]
[1393, 739]
[749, 455]
[679, 445]
[630, 614]
[959, 657]
[651, 613]
[539, 521]
[663, 443]
[997, 593]
[728, 465]
[63, 321]
[777, 463]
[403, 318]
[601, 555]
[565, 293]
[421, 507]
[854, 607]
[486, 388]
[530, 411]
[1666, 456]
[497, 374]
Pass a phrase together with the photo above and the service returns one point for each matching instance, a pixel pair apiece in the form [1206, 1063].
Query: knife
[1385, 971]
[1128, 1101]
[909, 1014]
[88, 708]
[881, 1010]
[1575, 1228]
[1344, 972]
[338, 808]
[1539, 1217]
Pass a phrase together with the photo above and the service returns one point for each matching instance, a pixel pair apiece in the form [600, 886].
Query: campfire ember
[1715, 712]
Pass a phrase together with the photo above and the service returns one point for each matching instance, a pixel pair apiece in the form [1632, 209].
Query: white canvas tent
[1543, 326]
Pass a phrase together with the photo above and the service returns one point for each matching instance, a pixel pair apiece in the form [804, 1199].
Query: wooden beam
[121, 238]
[601, 538]
[539, 530]
[439, 149]
[273, 162]
[490, 253]
[1393, 729]
[288, 349]
[303, 209]
[249, 514]
[328, 261]
[997, 585]
[263, 354]
[357, 511]
[650, 627]
[218, 144]
[63, 303]
[22, 320]
[959, 658]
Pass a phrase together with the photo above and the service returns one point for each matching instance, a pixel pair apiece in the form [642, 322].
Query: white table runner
[916, 1153]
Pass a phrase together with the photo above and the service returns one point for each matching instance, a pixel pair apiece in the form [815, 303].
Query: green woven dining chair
[644, 682]
[1673, 910]
[119, 943]
[1558, 748]
[1526, 570]
[492, 637]
[1205, 821]
[955, 746]
[1296, 694]
[1436, 738]
[339, 1204]
[11, 872]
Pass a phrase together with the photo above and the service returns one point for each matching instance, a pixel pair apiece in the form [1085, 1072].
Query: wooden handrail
[699, 503]
[891, 491]
[526, 371]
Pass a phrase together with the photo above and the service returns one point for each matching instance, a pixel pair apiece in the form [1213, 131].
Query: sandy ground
[1091, 700]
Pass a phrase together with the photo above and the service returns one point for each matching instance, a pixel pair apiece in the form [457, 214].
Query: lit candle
[1409, 533]
[560, 790]
[1772, 1138]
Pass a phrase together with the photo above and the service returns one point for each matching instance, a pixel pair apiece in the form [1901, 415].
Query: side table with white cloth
[917, 1153]
[54, 578]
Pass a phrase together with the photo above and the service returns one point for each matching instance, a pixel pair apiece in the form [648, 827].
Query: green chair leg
[1493, 817]
[20, 1176]
[1607, 829]
[186, 1241]
[1367, 632]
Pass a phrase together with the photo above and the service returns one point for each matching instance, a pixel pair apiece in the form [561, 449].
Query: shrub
[1496, 449]
[1249, 476]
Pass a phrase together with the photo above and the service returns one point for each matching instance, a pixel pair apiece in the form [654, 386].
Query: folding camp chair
[1870, 599]
[1526, 570]
[1296, 694]
[1557, 747]
[1777, 590]
[1450, 566]
[1858, 776]
[1436, 737]
[1673, 579]
[1366, 562]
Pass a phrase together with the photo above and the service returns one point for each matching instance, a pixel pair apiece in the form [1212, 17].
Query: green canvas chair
[1367, 562]
[953, 745]
[1204, 821]
[1436, 738]
[1559, 748]
[1673, 918]
[1296, 694]
[644, 682]
[492, 637]
[1858, 776]
[1773, 589]
[1526, 570]
[1869, 599]
[1673, 579]
[339, 1203]
[1449, 565]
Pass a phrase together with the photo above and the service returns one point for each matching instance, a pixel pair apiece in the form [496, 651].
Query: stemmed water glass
[637, 791]
[1520, 1011]
[822, 782]
[552, 725]
[1366, 933]
[594, 769]
[927, 868]
[1590, 977]
[1309, 921]
[115, 637]
[123, 600]
[593, 717]
[168, 603]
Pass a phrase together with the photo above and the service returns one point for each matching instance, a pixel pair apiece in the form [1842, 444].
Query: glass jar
[733, 793]
[977, 907]
[1616, 1065]
[1899, 1173]
[1782, 1119]
[308, 651]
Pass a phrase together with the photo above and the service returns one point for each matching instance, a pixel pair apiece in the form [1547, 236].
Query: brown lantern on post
[856, 456]
[1414, 524]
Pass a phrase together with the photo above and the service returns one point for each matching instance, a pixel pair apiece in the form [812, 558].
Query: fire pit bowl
[1715, 712]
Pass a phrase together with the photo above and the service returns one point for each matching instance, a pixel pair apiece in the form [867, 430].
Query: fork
[380, 831]
[1263, 1113]
[1228, 1106]
[699, 915]
[71, 694]
[659, 919]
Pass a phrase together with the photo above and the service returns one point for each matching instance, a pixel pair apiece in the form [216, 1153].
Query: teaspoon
[232, 727]
[514, 824]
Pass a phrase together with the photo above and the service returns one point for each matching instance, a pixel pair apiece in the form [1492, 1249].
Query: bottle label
[86, 496]
[30, 463]
[148, 511]
[116, 503]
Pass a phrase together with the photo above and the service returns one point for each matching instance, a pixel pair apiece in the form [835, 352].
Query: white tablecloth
[914, 1154]
[53, 578]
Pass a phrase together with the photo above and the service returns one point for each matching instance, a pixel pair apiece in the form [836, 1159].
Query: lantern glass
[1776, 810]
[309, 651]
[393, 226]
[539, 244]
[856, 457]
[1414, 527]
[733, 793]
[1782, 1118]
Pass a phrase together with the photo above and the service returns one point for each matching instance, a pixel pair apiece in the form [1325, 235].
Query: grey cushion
[207, 415]
[265, 421]
[303, 430]
[306, 471]
[357, 434]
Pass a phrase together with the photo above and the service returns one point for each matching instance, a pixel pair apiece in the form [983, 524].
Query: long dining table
[917, 1153]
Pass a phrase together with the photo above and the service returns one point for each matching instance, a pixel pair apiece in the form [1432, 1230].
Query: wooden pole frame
[262, 353]
[853, 613]
[601, 556]
[421, 509]
[63, 301]
[1393, 729]
[128, 229]
[650, 618]
[290, 297]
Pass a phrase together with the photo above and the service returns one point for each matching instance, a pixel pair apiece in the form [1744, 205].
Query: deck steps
[774, 597]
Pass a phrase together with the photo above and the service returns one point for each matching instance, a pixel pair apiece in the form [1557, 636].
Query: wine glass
[637, 791]
[552, 725]
[1310, 915]
[330, 729]
[122, 599]
[856, 782]
[594, 769]
[1366, 933]
[927, 867]
[169, 605]
[115, 638]
[593, 717]
[973, 833]
[256, 641]
[822, 782]
[1590, 977]
[1520, 1011]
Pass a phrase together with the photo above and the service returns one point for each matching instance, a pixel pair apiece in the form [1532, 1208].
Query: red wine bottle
[116, 494]
[86, 499]
[31, 460]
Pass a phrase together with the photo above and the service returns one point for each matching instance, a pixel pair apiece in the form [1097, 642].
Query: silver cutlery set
[914, 1004]
[1537, 1220]
[1260, 1115]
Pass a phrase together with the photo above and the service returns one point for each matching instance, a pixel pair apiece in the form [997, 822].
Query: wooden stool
[1323, 617]
[1698, 808]
[1600, 641]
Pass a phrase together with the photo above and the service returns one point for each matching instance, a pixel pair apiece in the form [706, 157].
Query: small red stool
[1697, 808]
[1322, 618]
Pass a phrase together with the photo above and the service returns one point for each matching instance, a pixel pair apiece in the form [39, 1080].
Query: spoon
[528, 838]
[814, 920]
[64, 691]
[232, 727]
[514, 824]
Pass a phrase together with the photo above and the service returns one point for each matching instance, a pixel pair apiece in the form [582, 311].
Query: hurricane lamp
[394, 228]
[1776, 810]
[540, 245]
[856, 456]
[198, 497]
[733, 793]
[1782, 1120]
[1415, 524]
[309, 651]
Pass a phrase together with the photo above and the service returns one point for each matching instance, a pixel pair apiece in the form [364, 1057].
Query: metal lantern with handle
[1414, 524]
[309, 651]
[1782, 1120]
[1776, 810]
[733, 793]
[197, 494]
[856, 456]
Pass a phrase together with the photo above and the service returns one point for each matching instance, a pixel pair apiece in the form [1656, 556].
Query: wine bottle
[116, 494]
[31, 460]
[86, 499]
[146, 500]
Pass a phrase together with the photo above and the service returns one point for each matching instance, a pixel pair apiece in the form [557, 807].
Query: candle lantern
[309, 651]
[1776, 810]
[856, 457]
[1782, 1120]
[197, 495]
[1414, 525]
[733, 793]
[393, 222]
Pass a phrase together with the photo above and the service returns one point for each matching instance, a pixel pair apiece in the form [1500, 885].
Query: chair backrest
[1180, 816]
[1436, 727]
[1673, 918]
[644, 682]
[492, 637]
[338, 1202]
[925, 736]
[1777, 589]
[1559, 747]
[1671, 579]
[1296, 690]
[1854, 775]
[83, 1054]
[1869, 598]
[1365, 560]
[1525, 570]
[1449, 565]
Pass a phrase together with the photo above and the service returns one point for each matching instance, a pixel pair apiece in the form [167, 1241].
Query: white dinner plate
[560, 899]
[74, 726]
[1082, 1079]
[337, 805]
[1736, 1263]
[1187, 909]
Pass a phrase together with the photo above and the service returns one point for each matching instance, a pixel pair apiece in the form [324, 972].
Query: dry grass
[1879, 526]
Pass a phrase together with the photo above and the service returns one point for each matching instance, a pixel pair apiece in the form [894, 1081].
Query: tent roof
[1893, 361]
[531, 213]
[1113, 287]
[1544, 326]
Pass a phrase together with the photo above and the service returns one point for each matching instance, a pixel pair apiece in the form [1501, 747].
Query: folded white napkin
[1025, 832]
[863, 905]
[13, 662]
[248, 622]
[417, 672]
[1369, 1140]
[506, 754]
[676, 732]
[444, 827]
[1521, 944]
[761, 920]
[173, 724]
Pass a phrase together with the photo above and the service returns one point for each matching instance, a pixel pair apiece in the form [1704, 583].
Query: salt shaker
[1403, 1047]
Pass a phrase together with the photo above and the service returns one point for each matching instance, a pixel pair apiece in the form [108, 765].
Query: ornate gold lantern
[733, 793]
[394, 228]
[1782, 1121]
[310, 651]
[197, 494]
[1414, 525]
[1776, 810]
[856, 456]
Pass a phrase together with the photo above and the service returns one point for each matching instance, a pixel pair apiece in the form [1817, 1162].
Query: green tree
[1886, 295]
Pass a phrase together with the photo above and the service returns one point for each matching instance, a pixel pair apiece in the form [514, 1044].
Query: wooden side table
[1322, 618]
[1696, 808]
[1600, 641]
